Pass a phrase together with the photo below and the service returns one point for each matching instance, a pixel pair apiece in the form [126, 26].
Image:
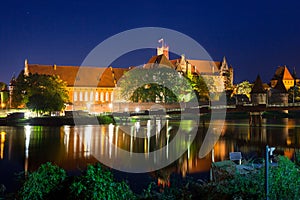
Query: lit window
[80, 96]
[92, 96]
[102, 97]
[75, 96]
[97, 96]
[112, 96]
[86, 96]
[106, 96]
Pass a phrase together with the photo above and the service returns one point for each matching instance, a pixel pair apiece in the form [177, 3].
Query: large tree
[40, 93]
[152, 85]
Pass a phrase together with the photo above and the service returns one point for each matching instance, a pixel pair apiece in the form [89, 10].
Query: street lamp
[269, 152]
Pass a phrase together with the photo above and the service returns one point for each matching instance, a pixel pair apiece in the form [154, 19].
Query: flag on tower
[160, 40]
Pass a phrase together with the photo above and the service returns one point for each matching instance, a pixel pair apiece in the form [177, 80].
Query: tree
[151, 85]
[294, 94]
[244, 88]
[40, 93]
[199, 86]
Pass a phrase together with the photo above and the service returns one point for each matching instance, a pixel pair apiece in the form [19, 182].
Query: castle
[92, 88]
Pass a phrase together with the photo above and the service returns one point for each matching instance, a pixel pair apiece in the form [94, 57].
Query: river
[25, 148]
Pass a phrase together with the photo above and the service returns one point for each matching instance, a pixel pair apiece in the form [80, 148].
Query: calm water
[73, 147]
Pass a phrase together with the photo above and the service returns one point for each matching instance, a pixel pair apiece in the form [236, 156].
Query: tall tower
[164, 49]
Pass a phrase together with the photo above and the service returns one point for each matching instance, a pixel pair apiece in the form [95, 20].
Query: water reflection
[73, 147]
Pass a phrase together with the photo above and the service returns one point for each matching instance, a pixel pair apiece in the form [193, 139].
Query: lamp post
[268, 149]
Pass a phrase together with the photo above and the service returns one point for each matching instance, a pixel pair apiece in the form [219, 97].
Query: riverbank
[57, 120]
[107, 119]
[98, 182]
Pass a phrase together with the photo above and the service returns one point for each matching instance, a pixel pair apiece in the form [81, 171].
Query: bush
[284, 183]
[42, 182]
[98, 183]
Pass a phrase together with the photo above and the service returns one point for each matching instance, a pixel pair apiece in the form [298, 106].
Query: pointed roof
[159, 61]
[258, 86]
[279, 88]
[294, 74]
[282, 73]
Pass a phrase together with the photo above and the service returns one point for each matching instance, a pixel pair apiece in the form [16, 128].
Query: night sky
[255, 36]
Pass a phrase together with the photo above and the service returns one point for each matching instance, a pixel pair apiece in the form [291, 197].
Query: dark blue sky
[256, 37]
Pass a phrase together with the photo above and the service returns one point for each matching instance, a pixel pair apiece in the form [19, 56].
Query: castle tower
[164, 49]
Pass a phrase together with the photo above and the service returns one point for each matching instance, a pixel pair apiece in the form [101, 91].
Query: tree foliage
[294, 94]
[41, 183]
[41, 93]
[150, 85]
[98, 183]
[199, 86]
[244, 88]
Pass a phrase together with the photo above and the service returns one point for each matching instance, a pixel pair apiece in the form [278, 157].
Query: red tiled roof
[282, 73]
[160, 60]
[81, 76]
[205, 66]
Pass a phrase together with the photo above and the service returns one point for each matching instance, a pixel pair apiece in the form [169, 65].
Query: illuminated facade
[90, 88]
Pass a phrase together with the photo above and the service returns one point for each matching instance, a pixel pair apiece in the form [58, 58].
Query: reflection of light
[87, 140]
[2, 134]
[110, 138]
[116, 141]
[126, 109]
[27, 141]
[137, 126]
[288, 141]
[137, 109]
[66, 137]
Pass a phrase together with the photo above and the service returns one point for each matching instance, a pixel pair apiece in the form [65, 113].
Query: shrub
[284, 183]
[98, 183]
[40, 183]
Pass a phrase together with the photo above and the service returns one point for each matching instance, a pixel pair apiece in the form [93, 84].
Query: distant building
[282, 74]
[90, 88]
[258, 94]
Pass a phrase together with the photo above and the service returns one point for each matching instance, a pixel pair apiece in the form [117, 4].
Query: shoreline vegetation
[98, 182]
[111, 119]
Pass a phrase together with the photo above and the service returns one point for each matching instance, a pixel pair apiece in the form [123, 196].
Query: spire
[224, 65]
[294, 73]
[258, 86]
[26, 70]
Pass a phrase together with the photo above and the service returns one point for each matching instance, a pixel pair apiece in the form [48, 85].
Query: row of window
[91, 96]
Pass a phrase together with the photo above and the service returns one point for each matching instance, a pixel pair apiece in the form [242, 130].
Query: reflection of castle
[92, 88]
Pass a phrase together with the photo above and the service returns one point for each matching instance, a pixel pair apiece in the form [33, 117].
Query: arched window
[80, 96]
[102, 96]
[75, 96]
[86, 96]
[106, 96]
[96, 96]
[92, 96]
[111, 96]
